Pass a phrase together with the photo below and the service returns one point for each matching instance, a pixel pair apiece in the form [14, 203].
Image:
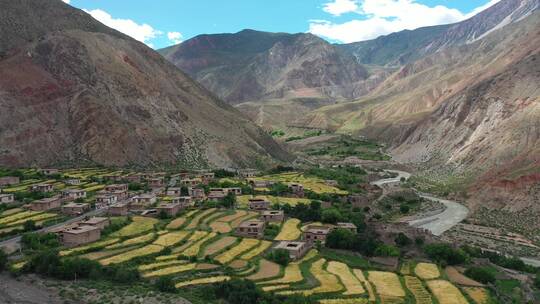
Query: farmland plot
[171, 238]
[263, 246]
[197, 218]
[129, 255]
[352, 285]
[219, 245]
[245, 245]
[193, 250]
[386, 283]
[427, 271]
[176, 223]
[169, 270]
[328, 282]
[267, 270]
[91, 246]
[275, 287]
[289, 231]
[420, 293]
[134, 241]
[479, 295]
[292, 275]
[203, 281]
[446, 292]
[239, 220]
[220, 227]
[152, 266]
[344, 301]
[139, 225]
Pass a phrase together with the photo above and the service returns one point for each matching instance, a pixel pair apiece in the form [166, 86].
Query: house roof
[80, 229]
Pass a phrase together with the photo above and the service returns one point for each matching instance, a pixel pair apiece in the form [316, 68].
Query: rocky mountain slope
[73, 90]
[254, 66]
[406, 46]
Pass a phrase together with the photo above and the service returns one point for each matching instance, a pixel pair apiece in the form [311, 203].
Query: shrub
[402, 240]
[279, 256]
[165, 284]
[386, 251]
[537, 280]
[331, 216]
[404, 209]
[3, 260]
[444, 253]
[340, 239]
[480, 274]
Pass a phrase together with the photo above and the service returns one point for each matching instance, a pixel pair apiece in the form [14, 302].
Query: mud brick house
[260, 183]
[75, 208]
[349, 226]
[120, 190]
[297, 189]
[80, 235]
[174, 191]
[216, 194]
[156, 182]
[171, 209]
[251, 228]
[247, 173]
[207, 177]
[113, 177]
[46, 203]
[72, 181]
[141, 202]
[236, 190]
[41, 188]
[274, 216]
[135, 178]
[258, 204]
[98, 222]
[296, 249]
[191, 182]
[6, 198]
[49, 171]
[116, 187]
[9, 180]
[184, 201]
[315, 234]
[74, 194]
[103, 200]
[119, 209]
[359, 201]
[196, 194]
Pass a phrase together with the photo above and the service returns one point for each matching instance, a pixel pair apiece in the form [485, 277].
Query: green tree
[3, 260]
[331, 216]
[480, 274]
[404, 209]
[444, 253]
[386, 251]
[29, 225]
[340, 239]
[165, 284]
[229, 200]
[280, 256]
[402, 240]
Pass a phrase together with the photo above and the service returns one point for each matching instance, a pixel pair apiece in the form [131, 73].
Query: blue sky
[160, 23]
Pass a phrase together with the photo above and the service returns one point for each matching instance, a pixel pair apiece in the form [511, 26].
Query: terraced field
[289, 231]
[427, 271]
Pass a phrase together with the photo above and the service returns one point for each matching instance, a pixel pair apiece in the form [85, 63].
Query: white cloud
[174, 37]
[67, 1]
[141, 32]
[481, 8]
[340, 7]
[381, 17]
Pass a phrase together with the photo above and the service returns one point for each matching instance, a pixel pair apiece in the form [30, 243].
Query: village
[291, 232]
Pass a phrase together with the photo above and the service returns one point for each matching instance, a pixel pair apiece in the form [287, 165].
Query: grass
[129, 255]
[229, 255]
[427, 271]
[203, 281]
[289, 231]
[446, 292]
[348, 279]
[139, 225]
[386, 284]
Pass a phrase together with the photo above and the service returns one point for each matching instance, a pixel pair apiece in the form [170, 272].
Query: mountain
[254, 66]
[406, 46]
[73, 90]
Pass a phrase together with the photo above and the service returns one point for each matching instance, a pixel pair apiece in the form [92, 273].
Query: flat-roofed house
[258, 204]
[49, 171]
[113, 177]
[72, 181]
[235, 190]
[191, 182]
[116, 187]
[120, 190]
[349, 226]
[119, 209]
[359, 201]
[216, 194]
[316, 233]
[41, 188]
[251, 228]
[75, 208]
[104, 200]
[134, 178]
[171, 209]
[46, 203]
[99, 222]
[9, 180]
[297, 189]
[142, 201]
[296, 249]
[80, 235]
[196, 194]
[274, 216]
[184, 201]
[255, 183]
[247, 173]
[7, 198]
[207, 177]
[174, 191]
[156, 182]
[74, 194]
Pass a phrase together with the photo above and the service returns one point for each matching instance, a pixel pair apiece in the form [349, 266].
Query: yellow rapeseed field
[386, 283]
[171, 238]
[289, 231]
[446, 292]
[126, 256]
[263, 246]
[139, 225]
[427, 271]
[229, 255]
[349, 280]
[202, 281]
[169, 270]
[420, 293]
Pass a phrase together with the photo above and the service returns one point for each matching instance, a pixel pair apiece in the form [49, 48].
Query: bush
[331, 216]
[480, 274]
[537, 280]
[3, 260]
[340, 239]
[444, 253]
[246, 292]
[36, 241]
[402, 240]
[279, 256]
[387, 251]
[165, 284]
[404, 209]
[29, 226]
